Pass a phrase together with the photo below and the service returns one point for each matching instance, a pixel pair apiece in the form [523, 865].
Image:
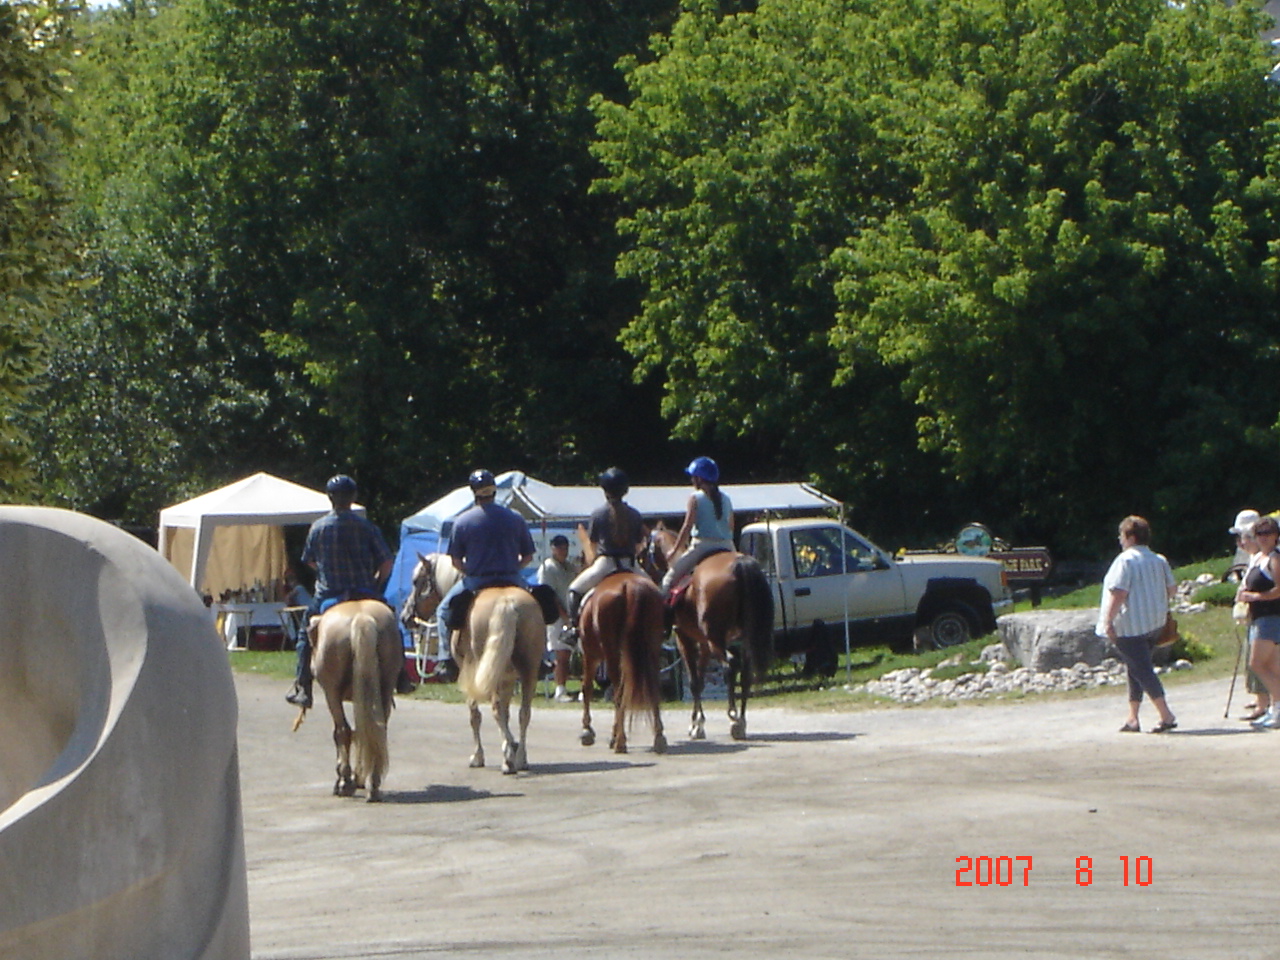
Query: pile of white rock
[916, 684]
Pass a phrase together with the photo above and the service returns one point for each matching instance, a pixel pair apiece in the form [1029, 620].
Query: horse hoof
[659, 744]
[587, 737]
[477, 761]
[697, 733]
[345, 790]
[375, 796]
[739, 730]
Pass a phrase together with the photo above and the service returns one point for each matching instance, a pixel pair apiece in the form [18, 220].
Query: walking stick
[1234, 673]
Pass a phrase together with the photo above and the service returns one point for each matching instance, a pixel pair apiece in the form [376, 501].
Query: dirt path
[823, 835]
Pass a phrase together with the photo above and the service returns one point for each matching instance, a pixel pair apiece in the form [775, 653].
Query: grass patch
[1210, 639]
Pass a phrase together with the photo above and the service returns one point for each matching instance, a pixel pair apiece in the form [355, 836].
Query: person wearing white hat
[1246, 549]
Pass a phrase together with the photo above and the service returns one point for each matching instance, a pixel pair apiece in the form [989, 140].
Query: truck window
[758, 545]
[828, 551]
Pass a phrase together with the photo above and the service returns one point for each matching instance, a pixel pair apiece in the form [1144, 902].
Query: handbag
[1168, 633]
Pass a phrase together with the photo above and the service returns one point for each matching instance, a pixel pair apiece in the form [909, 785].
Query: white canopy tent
[551, 509]
[231, 537]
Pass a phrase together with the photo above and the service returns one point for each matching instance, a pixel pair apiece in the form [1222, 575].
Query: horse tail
[755, 614]
[369, 740]
[641, 636]
[499, 645]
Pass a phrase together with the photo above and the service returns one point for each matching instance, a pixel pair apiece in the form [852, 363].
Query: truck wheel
[949, 627]
[821, 659]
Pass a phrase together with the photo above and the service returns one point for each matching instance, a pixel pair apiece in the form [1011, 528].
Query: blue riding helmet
[480, 479]
[340, 486]
[614, 482]
[704, 468]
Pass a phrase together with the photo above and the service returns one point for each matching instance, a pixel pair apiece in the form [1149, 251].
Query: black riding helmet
[340, 486]
[482, 481]
[614, 482]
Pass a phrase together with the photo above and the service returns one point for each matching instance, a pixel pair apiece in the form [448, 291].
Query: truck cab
[825, 573]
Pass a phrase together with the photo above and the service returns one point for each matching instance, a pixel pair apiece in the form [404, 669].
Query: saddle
[681, 586]
[542, 592]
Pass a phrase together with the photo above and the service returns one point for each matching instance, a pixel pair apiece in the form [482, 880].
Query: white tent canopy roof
[262, 502]
[537, 500]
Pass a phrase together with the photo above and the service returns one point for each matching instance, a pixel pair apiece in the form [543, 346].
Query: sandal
[1255, 714]
[1164, 726]
[1131, 727]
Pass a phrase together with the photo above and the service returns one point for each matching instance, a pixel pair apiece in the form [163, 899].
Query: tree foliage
[1028, 244]
[36, 252]
[345, 234]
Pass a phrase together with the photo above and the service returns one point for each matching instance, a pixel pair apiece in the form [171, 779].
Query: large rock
[120, 823]
[1048, 639]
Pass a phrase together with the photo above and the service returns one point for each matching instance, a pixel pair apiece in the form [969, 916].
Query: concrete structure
[120, 822]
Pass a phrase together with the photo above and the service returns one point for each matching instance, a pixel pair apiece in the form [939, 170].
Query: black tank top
[1259, 580]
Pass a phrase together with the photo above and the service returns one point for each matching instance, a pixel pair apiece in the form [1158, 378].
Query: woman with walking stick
[1260, 589]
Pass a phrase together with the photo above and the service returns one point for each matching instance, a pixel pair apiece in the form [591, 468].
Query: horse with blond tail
[500, 644]
[357, 657]
[622, 626]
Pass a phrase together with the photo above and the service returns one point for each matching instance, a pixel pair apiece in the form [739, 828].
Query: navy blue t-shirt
[489, 540]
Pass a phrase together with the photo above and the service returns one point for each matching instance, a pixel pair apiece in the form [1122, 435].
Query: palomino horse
[728, 602]
[502, 642]
[357, 657]
[621, 624]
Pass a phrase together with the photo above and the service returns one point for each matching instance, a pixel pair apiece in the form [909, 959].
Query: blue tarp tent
[551, 510]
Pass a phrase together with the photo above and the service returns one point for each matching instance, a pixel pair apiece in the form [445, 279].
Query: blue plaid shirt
[347, 551]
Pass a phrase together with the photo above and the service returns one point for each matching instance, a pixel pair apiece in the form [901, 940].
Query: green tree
[1081, 289]
[348, 234]
[1008, 256]
[36, 252]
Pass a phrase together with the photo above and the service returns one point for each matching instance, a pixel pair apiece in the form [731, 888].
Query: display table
[235, 620]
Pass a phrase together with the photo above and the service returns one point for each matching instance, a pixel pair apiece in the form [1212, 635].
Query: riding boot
[301, 693]
[570, 634]
[404, 684]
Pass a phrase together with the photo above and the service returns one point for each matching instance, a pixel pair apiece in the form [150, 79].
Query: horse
[501, 642]
[728, 602]
[356, 657]
[621, 624]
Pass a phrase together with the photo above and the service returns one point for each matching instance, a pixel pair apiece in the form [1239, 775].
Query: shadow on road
[442, 793]
[1212, 732]
[817, 736]
[589, 766]
[689, 748]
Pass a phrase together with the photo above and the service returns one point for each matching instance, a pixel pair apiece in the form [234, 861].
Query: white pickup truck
[825, 573]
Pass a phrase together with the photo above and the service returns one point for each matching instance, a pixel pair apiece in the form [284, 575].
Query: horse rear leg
[528, 687]
[588, 735]
[502, 715]
[695, 662]
[738, 718]
[477, 758]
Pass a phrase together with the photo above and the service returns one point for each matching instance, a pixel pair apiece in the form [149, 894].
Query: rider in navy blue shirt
[489, 544]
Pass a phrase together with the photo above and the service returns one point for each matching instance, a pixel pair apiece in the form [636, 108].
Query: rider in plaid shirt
[352, 562]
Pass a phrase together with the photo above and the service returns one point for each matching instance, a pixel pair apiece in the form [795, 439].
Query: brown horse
[356, 657]
[728, 603]
[621, 625]
[501, 643]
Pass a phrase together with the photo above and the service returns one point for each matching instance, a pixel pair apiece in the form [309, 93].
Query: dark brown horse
[621, 626]
[727, 604]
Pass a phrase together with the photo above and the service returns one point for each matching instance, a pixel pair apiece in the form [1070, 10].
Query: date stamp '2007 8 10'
[1002, 871]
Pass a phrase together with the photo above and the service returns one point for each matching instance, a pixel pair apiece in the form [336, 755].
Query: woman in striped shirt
[1135, 606]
